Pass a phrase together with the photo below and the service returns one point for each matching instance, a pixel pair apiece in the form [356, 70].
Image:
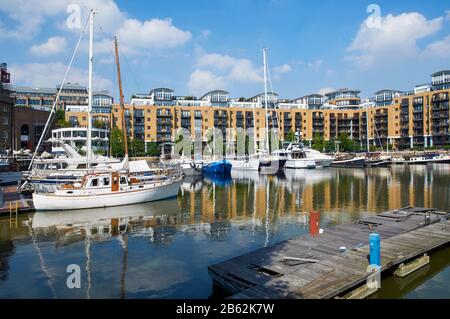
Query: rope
[57, 96]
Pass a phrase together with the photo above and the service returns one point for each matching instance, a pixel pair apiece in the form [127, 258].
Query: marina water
[162, 249]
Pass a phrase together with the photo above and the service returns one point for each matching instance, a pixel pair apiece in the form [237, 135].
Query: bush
[153, 149]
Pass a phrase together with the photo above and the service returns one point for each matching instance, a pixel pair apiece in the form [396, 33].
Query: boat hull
[273, 166]
[325, 162]
[192, 169]
[44, 202]
[250, 165]
[359, 162]
[220, 167]
[300, 164]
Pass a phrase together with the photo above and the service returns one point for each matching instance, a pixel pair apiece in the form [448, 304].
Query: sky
[199, 45]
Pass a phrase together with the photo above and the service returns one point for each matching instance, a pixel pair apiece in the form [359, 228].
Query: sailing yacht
[269, 163]
[107, 189]
[99, 190]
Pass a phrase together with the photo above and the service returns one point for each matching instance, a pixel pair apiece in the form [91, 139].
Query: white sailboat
[108, 189]
[269, 163]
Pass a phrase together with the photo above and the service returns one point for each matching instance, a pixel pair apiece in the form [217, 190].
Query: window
[123, 181]
[105, 181]
[94, 182]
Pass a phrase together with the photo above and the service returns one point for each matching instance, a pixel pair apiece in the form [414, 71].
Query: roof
[72, 86]
[441, 72]
[387, 90]
[161, 89]
[215, 91]
[262, 94]
[27, 89]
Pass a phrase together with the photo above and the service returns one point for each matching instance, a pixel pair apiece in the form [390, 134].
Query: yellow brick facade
[412, 120]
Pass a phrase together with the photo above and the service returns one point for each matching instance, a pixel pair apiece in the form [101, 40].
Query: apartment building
[417, 118]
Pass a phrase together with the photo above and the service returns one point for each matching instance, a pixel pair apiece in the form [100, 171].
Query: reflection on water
[162, 249]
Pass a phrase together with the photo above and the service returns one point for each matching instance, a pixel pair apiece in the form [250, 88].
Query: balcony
[164, 129]
[163, 114]
[163, 121]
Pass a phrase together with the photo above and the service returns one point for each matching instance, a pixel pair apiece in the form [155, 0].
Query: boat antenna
[55, 102]
[122, 106]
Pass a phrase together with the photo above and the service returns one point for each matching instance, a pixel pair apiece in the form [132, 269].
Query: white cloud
[395, 38]
[285, 68]
[136, 35]
[241, 70]
[28, 16]
[206, 33]
[315, 65]
[152, 34]
[202, 81]
[439, 48]
[447, 15]
[51, 74]
[324, 91]
[52, 46]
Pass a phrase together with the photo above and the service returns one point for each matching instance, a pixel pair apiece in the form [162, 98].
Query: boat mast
[89, 115]
[367, 128]
[122, 106]
[265, 98]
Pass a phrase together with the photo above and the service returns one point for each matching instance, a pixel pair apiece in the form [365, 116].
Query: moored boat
[107, 190]
[349, 161]
[217, 167]
[297, 158]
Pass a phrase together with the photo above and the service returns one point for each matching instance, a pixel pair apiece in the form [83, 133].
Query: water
[162, 249]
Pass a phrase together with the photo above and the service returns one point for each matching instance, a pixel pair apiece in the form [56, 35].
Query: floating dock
[12, 202]
[334, 264]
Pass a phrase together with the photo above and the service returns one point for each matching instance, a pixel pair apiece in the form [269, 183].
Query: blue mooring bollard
[375, 250]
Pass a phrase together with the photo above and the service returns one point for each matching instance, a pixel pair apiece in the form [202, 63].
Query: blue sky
[195, 46]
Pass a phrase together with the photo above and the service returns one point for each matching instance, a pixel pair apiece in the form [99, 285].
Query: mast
[119, 79]
[265, 99]
[367, 128]
[89, 115]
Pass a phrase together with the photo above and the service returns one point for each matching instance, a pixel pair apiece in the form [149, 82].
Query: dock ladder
[13, 214]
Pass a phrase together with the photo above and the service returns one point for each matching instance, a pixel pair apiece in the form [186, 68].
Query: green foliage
[61, 119]
[318, 143]
[373, 148]
[290, 136]
[153, 149]
[136, 148]
[330, 146]
[241, 99]
[348, 145]
[98, 124]
[116, 142]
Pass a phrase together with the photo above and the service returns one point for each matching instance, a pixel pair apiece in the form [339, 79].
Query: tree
[116, 141]
[318, 143]
[290, 136]
[347, 145]
[98, 124]
[136, 148]
[153, 149]
[330, 146]
[61, 119]
[241, 99]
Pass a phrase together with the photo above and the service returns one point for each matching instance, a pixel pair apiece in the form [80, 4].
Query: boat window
[105, 181]
[123, 180]
[94, 182]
